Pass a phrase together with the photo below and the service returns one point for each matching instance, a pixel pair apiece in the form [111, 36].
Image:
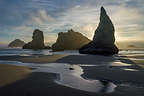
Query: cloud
[82, 19]
[86, 18]
[44, 16]
[40, 18]
[86, 30]
[53, 16]
[127, 23]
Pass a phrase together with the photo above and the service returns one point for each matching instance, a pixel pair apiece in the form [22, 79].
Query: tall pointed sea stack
[103, 40]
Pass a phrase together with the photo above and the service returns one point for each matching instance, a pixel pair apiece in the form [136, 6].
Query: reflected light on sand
[70, 76]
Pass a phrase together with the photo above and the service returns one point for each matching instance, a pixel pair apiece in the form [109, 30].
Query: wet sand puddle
[70, 76]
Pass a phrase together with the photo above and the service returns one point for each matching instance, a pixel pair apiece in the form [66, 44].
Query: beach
[71, 48]
[67, 74]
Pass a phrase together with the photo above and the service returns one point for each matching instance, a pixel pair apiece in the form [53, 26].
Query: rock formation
[69, 41]
[47, 47]
[16, 43]
[103, 40]
[132, 46]
[37, 41]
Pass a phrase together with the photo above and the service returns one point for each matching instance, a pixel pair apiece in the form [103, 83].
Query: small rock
[71, 68]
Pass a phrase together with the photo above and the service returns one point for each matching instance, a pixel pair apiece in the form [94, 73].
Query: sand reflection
[70, 76]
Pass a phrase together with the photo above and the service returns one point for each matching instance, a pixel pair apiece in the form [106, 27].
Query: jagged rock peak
[103, 11]
[103, 40]
[104, 33]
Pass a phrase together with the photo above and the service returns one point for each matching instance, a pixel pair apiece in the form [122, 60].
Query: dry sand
[10, 74]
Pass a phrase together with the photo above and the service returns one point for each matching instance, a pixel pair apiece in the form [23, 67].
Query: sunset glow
[19, 19]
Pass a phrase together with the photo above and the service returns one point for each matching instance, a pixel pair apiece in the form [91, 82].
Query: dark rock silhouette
[132, 46]
[37, 41]
[16, 43]
[69, 41]
[47, 47]
[103, 40]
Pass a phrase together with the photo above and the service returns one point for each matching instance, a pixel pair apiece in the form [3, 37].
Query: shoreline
[102, 70]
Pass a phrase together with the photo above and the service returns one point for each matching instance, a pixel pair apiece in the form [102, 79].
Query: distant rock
[16, 43]
[103, 40]
[69, 41]
[47, 47]
[131, 46]
[37, 41]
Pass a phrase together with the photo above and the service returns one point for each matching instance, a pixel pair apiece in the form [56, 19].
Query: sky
[19, 18]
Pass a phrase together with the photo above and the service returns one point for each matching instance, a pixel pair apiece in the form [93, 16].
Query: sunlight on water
[23, 52]
[70, 76]
[127, 69]
[118, 63]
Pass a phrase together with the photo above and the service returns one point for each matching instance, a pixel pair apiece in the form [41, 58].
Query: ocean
[29, 52]
[23, 52]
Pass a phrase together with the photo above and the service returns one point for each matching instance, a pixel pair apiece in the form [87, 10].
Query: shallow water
[69, 75]
[130, 52]
[129, 69]
[29, 52]
[119, 64]
[23, 52]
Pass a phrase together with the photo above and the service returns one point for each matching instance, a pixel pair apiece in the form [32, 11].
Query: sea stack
[16, 43]
[70, 40]
[37, 41]
[104, 40]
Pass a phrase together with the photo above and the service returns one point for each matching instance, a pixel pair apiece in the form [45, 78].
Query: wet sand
[33, 59]
[130, 83]
[138, 60]
[41, 59]
[40, 84]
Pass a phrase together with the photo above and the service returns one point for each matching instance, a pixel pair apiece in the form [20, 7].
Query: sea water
[70, 75]
[23, 52]
[29, 52]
